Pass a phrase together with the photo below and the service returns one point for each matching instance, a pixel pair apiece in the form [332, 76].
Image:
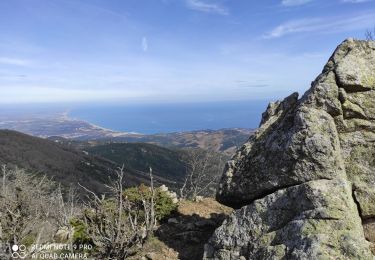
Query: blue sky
[169, 50]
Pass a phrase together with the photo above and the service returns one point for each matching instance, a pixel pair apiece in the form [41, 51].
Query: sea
[166, 118]
[157, 118]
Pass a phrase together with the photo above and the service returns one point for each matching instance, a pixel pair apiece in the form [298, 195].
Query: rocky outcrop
[305, 181]
[171, 194]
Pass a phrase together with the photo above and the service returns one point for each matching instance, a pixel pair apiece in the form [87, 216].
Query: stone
[314, 220]
[171, 194]
[189, 226]
[151, 256]
[199, 198]
[163, 188]
[304, 183]
[304, 145]
[172, 221]
[354, 69]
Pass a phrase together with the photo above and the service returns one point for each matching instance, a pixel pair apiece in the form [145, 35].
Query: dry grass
[203, 208]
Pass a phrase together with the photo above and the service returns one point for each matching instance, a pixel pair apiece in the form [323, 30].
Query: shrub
[80, 235]
[120, 224]
[164, 205]
[28, 240]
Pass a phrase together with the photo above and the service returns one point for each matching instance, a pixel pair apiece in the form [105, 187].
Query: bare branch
[370, 34]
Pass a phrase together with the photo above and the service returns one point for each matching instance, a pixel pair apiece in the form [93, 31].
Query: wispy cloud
[14, 61]
[91, 7]
[355, 1]
[207, 7]
[12, 77]
[295, 2]
[322, 25]
[37, 94]
[295, 26]
[255, 86]
[144, 44]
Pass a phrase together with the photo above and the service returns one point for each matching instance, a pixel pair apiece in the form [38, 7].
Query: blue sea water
[166, 118]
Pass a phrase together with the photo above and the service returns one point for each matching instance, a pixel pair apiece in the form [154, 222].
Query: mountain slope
[64, 165]
[140, 156]
[70, 166]
[223, 140]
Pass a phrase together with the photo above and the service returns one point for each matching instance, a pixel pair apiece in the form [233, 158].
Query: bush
[80, 235]
[164, 205]
[28, 240]
[119, 225]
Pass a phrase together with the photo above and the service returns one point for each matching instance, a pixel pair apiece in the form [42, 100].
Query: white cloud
[294, 26]
[144, 44]
[322, 25]
[201, 6]
[14, 61]
[355, 1]
[294, 2]
[36, 94]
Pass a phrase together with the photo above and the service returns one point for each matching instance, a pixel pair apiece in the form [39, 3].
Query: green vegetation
[164, 205]
[64, 165]
[170, 166]
[166, 163]
[118, 216]
[80, 235]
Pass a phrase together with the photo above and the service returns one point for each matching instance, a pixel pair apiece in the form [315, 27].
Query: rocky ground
[183, 235]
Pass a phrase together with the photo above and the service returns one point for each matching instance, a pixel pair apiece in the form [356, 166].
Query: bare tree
[203, 171]
[65, 207]
[370, 35]
[149, 207]
[21, 203]
[4, 172]
[105, 223]
[116, 225]
[29, 207]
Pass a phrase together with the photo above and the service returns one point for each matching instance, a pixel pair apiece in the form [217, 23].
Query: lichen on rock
[305, 181]
[306, 221]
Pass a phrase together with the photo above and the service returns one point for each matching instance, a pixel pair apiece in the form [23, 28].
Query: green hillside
[62, 164]
[167, 163]
[93, 168]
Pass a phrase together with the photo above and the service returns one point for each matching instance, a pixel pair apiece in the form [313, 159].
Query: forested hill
[65, 165]
[165, 162]
[70, 166]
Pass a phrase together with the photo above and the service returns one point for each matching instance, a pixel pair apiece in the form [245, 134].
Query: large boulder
[306, 179]
[300, 222]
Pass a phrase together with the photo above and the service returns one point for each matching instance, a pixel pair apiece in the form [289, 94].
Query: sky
[150, 51]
